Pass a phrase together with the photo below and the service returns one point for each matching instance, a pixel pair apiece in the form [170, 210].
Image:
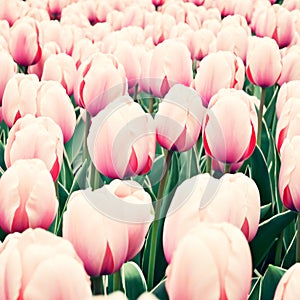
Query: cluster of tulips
[149, 149]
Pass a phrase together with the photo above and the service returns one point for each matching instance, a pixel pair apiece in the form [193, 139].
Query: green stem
[95, 178]
[227, 168]
[86, 133]
[117, 281]
[97, 285]
[298, 239]
[279, 250]
[260, 114]
[155, 224]
[136, 88]
[208, 164]
[151, 101]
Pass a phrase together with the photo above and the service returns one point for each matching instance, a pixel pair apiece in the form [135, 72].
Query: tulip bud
[46, 265]
[288, 183]
[225, 271]
[24, 44]
[229, 109]
[263, 70]
[116, 240]
[216, 71]
[27, 197]
[234, 199]
[99, 80]
[122, 125]
[179, 119]
[32, 137]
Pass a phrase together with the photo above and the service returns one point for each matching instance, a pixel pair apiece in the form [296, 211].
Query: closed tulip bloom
[128, 57]
[179, 119]
[24, 44]
[9, 69]
[32, 137]
[19, 97]
[233, 38]
[225, 271]
[10, 10]
[122, 125]
[275, 22]
[287, 288]
[41, 263]
[201, 43]
[288, 183]
[216, 71]
[170, 64]
[48, 49]
[60, 67]
[27, 197]
[229, 109]
[290, 65]
[288, 124]
[234, 199]
[53, 101]
[98, 81]
[291, 5]
[287, 91]
[161, 27]
[263, 70]
[116, 240]
[55, 7]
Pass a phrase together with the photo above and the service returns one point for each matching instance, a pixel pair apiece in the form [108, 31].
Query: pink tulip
[290, 65]
[19, 98]
[179, 119]
[32, 137]
[60, 67]
[27, 198]
[9, 69]
[263, 70]
[83, 49]
[275, 22]
[288, 183]
[72, 34]
[170, 64]
[225, 271]
[233, 38]
[291, 5]
[220, 167]
[162, 25]
[48, 49]
[4, 32]
[11, 10]
[115, 19]
[99, 80]
[53, 101]
[55, 7]
[158, 2]
[287, 91]
[174, 9]
[216, 71]
[128, 57]
[201, 43]
[122, 125]
[234, 199]
[37, 263]
[287, 288]
[229, 109]
[288, 124]
[117, 240]
[24, 42]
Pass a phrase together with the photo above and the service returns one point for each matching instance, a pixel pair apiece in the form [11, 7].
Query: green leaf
[270, 281]
[290, 253]
[265, 211]
[73, 146]
[160, 291]
[135, 283]
[267, 233]
[80, 180]
[156, 173]
[2, 162]
[255, 289]
[260, 174]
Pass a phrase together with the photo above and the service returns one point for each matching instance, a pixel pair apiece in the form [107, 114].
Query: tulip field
[149, 149]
